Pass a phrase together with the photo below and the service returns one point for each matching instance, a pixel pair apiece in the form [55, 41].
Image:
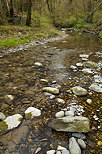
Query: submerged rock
[96, 88]
[79, 64]
[71, 124]
[51, 90]
[89, 101]
[13, 121]
[90, 64]
[79, 135]
[32, 112]
[9, 98]
[73, 146]
[69, 113]
[79, 91]
[2, 116]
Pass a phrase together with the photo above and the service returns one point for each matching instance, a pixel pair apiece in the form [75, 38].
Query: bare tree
[29, 10]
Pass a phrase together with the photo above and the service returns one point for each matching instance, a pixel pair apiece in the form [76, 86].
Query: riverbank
[13, 36]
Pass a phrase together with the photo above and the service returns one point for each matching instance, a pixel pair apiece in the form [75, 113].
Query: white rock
[44, 81]
[51, 152]
[79, 91]
[95, 88]
[33, 111]
[38, 64]
[81, 143]
[87, 71]
[13, 121]
[79, 64]
[73, 146]
[65, 152]
[60, 148]
[38, 150]
[51, 90]
[52, 96]
[69, 113]
[9, 98]
[83, 56]
[58, 152]
[73, 67]
[59, 114]
[59, 100]
[2, 116]
[89, 101]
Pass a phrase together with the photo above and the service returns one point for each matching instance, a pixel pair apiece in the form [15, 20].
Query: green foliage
[100, 34]
[3, 126]
[72, 21]
[80, 23]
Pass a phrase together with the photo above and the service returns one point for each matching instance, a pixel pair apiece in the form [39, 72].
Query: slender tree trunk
[11, 11]
[28, 21]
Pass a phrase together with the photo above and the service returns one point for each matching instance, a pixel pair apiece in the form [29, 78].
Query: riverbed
[21, 78]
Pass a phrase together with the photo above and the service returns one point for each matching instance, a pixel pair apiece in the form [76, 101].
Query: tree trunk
[28, 21]
[11, 11]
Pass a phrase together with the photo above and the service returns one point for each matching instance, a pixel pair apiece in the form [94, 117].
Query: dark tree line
[17, 11]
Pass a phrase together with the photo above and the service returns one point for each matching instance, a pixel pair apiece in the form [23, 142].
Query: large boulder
[71, 124]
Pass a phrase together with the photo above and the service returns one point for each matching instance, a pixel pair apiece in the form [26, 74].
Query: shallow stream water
[21, 78]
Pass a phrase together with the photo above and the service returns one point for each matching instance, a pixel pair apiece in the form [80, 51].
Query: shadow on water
[21, 78]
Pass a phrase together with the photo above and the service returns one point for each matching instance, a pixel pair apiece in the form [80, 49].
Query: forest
[46, 14]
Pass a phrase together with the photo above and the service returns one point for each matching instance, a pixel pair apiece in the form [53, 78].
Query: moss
[20, 119]
[28, 115]
[3, 126]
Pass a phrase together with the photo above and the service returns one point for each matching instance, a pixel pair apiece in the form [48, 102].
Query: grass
[13, 36]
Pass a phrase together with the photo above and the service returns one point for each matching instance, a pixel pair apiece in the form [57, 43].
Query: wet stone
[81, 143]
[51, 152]
[65, 152]
[51, 90]
[96, 88]
[73, 146]
[79, 91]
[79, 135]
[59, 114]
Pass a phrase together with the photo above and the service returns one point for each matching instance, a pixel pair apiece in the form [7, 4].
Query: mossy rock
[28, 115]
[3, 126]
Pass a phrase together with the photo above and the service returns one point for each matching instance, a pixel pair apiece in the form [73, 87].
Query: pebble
[96, 88]
[52, 96]
[38, 64]
[38, 150]
[59, 100]
[59, 114]
[89, 101]
[51, 90]
[81, 143]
